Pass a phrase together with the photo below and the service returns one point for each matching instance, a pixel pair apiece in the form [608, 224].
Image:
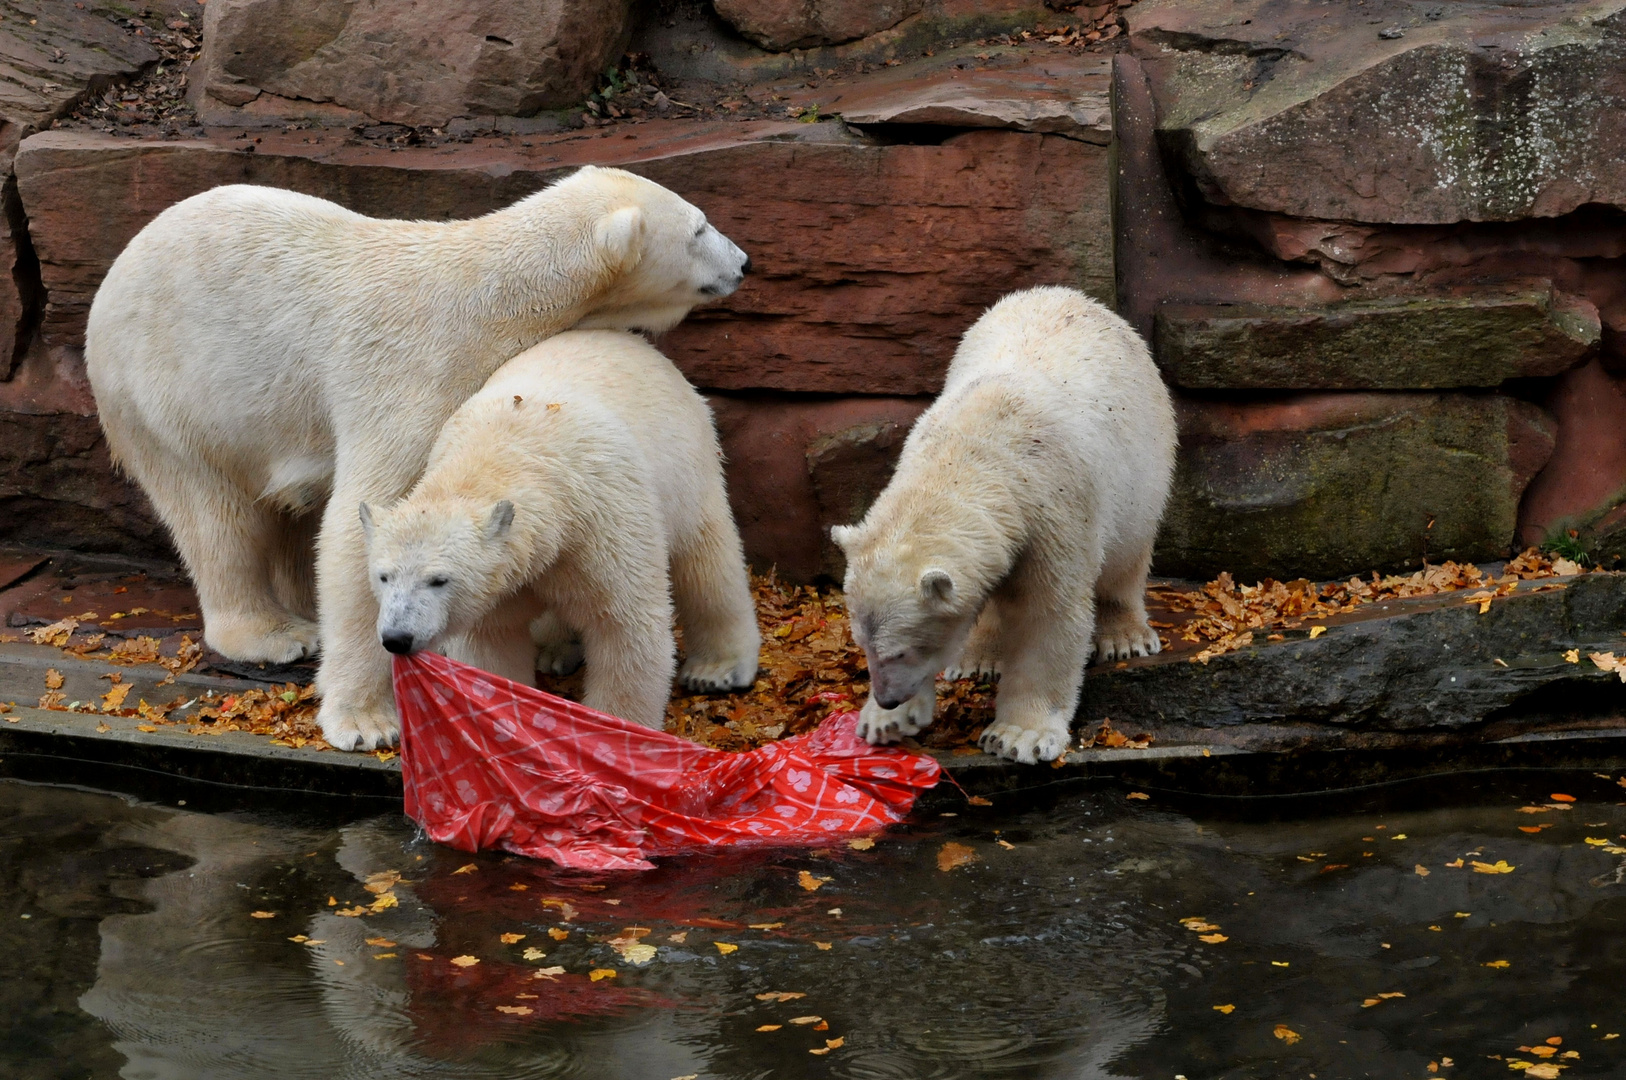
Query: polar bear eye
[436, 582]
[383, 577]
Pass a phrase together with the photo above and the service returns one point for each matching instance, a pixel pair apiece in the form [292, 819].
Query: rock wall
[1377, 248]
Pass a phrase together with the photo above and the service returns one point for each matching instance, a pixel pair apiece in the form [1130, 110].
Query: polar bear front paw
[879, 726]
[718, 676]
[973, 667]
[261, 639]
[1029, 746]
[560, 657]
[350, 728]
[1126, 639]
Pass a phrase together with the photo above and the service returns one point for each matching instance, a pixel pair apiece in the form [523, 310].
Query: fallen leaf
[466, 868]
[1500, 866]
[1420, 870]
[637, 953]
[385, 956]
[678, 938]
[1317, 631]
[1137, 795]
[951, 856]
[765, 925]
[1213, 939]
[820, 1050]
[770, 1027]
[514, 1010]
[1196, 924]
[835, 1044]
[1497, 964]
[1286, 1034]
[1226, 1009]
[1378, 999]
[1455, 865]
[382, 882]
[824, 946]
[725, 948]
[807, 1019]
[601, 973]
[262, 914]
[1562, 798]
[1597, 841]
[862, 843]
[557, 934]
[533, 953]
[511, 939]
[780, 995]
[548, 973]
[1279, 963]
[978, 800]
[53, 679]
[809, 882]
[1006, 844]
[1572, 656]
[381, 943]
[148, 728]
[567, 910]
[465, 961]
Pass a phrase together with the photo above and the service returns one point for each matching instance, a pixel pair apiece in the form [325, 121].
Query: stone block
[1399, 114]
[779, 25]
[1323, 485]
[870, 260]
[1583, 487]
[417, 64]
[1402, 343]
[797, 466]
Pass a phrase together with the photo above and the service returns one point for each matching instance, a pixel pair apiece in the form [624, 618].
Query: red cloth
[488, 763]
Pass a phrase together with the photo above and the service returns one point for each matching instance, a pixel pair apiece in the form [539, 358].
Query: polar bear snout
[398, 643]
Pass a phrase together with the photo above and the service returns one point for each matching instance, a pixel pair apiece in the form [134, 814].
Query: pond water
[129, 937]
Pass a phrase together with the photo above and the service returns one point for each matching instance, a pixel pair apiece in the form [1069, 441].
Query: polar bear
[263, 360]
[1018, 527]
[582, 479]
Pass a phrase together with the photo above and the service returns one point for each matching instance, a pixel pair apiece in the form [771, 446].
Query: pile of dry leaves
[1225, 615]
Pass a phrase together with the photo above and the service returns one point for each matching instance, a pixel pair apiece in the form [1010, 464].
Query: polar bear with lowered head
[264, 361]
[583, 483]
[1017, 531]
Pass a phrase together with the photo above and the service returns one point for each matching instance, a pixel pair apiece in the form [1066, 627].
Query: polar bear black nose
[746, 269]
[399, 644]
[885, 701]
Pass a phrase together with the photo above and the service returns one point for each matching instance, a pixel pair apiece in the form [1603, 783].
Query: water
[131, 950]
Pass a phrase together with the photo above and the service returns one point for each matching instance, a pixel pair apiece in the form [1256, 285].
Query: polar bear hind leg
[230, 543]
[1122, 629]
[558, 647]
[712, 594]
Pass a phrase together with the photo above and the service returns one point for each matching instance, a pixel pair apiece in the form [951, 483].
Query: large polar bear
[585, 469]
[1018, 527]
[257, 353]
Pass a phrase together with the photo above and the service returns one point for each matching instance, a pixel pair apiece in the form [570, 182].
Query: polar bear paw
[1029, 746]
[350, 728]
[718, 676]
[1126, 639]
[561, 657]
[261, 639]
[984, 666]
[878, 726]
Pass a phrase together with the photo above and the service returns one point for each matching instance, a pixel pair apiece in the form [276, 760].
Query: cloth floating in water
[489, 763]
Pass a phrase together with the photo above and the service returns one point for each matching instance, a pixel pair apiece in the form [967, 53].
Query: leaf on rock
[511, 939]
[53, 679]
[1286, 1034]
[862, 843]
[1500, 866]
[810, 882]
[465, 961]
[952, 856]
[725, 948]
[601, 973]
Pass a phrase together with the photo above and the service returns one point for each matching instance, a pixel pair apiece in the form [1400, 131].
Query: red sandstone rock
[796, 467]
[1584, 484]
[870, 260]
[419, 64]
[798, 24]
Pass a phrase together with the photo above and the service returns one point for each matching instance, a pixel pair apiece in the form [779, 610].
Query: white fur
[1018, 527]
[561, 494]
[257, 354]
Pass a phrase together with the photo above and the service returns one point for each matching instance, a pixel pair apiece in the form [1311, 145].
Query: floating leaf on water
[515, 1010]
[262, 914]
[951, 856]
[1137, 795]
[557, 934]
[862, 843]
[807, 1019]
[1562, 798]
[511, 939]
[465, 961]
[678, 938]
[1226, 1009]
[824, 946]
[601, 973]
[382, 882]
[770, 1027]
[466, 868]
[835, 1044]
[1598, 841]
[385, 956]
[725, 948]
[567, 911]
[1213, 939]
[810, 882]
[548, 973]
[1286, 1034]
[1500, 866]
[1497, 964]
[1572, 656]
[1279, 963]
[780, 995]
[381, 943]
[1420, 870]
[635, 953]
[978, 800]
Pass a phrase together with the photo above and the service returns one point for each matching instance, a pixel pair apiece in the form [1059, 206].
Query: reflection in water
[1061, 955]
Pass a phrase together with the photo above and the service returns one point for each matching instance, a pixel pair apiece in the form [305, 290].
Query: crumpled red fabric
[489, 763]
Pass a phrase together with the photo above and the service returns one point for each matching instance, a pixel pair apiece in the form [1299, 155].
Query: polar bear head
[436, 567]
[909, 612]
[665, 257]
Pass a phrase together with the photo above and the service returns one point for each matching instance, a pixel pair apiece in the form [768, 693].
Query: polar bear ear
[502, 516]
[936, 586]
[619, 233]
[367, 522]
[842, 535]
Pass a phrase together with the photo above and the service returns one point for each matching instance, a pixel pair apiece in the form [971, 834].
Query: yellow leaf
[766, 925]
[951, 856]
[1278, 963]
[1212, 939]
[807, 1019]
[385, 956]
[385, 900]
[862, 843]
[533, 953]
[1398, 836]
[809, 882]
[770, 1027]
[465, 961]
[466, 868]
[820, 1050]
[53, 679]
[514, 1010]
[557, 934]
[1497, 964]
[382, 882]
[824, 946]
[381, 943]
[1317, 631]
[1597, 841]
[1572, 656]
[1420, 870]
[262, 914]
[511, 939]
[678, 938]
[1226, 1009]
[780, 995]
[725, 948]
[1286, 1034]
[601, 973]
[1456, 865]
[1137, 795]
[1006, 844]
[1462, 914]
[836, 1043]
[548, 973]
[637, 954]
[1500, 866]
[114, 698]
[148, 728]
